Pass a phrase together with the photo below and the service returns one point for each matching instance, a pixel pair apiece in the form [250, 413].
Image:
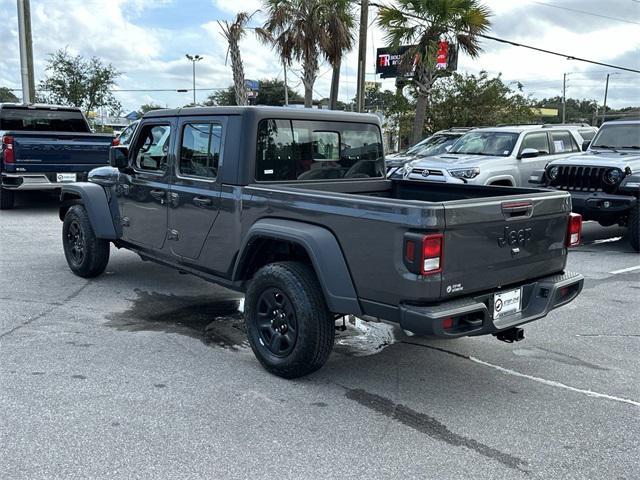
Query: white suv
[504, 155]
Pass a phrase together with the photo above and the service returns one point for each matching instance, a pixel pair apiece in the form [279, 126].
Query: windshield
[618, 136]
[42, 120]
[434, 145]
[498, 144]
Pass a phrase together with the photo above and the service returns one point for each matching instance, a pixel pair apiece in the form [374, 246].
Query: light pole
[26, 51]
[194, 59]
[606, 91]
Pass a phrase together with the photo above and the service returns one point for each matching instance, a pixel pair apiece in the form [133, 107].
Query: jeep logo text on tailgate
[514, 237]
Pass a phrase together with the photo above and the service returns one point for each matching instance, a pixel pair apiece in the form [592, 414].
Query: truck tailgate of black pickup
[58, 151]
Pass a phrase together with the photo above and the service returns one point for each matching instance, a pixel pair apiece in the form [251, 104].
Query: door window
[563, 142]
[537, 140]
[200, 150]
[152, 148]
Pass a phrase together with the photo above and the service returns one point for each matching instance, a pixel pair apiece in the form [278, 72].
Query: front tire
[87, 255]
[634, 226]
[289, 327]
[6, 199]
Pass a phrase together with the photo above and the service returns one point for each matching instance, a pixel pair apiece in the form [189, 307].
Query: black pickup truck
[44, 146]
[293, 208]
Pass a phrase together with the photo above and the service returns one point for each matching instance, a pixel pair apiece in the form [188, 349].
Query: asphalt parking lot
[145, 373]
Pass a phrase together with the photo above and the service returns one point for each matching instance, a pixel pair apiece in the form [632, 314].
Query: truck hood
[453, 160]
[603, 158]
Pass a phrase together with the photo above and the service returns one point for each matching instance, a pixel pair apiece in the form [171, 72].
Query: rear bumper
[601, 206]
[474, 315]
[35, 181]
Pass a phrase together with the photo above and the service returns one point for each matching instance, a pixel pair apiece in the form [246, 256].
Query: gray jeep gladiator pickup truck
[293, 209]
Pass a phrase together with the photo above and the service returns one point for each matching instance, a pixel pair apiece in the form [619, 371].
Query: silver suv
[504, 155]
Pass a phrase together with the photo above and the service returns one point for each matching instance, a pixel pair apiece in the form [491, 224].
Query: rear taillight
[574, 230]
[431, 254]
[8, 154]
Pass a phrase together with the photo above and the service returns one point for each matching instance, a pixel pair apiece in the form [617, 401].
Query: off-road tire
[78, 236]
[634, 226]
[314, 324]
[6, 199]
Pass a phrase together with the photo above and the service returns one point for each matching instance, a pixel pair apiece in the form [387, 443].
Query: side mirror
[119, 156]
[585, 145]
[529, 153]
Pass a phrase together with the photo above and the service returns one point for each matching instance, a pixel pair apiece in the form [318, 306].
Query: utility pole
[564, 96]
[26, 51]
[362, 54]
[194, 59]
[606, 91]
[286, 87]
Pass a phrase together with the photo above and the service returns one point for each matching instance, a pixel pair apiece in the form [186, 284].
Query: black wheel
[634, 226]
[87, 256]
[289, 327]
[6, 199]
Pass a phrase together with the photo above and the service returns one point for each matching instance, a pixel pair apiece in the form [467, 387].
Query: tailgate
[39, 152]
[499, 241]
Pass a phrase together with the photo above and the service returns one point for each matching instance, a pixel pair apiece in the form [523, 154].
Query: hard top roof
[260, 112]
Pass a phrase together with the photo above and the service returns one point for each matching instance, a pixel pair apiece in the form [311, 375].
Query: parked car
[504, 156]
[230, 201]
[44, 147]
[605, 182]
[434, 144]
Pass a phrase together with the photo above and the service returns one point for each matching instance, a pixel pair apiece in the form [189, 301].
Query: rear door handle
[203, 201]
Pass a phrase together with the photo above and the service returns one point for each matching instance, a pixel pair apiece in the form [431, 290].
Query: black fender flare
[97, 203]
[323, 250]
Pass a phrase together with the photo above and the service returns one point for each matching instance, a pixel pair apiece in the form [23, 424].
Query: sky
[146, 40]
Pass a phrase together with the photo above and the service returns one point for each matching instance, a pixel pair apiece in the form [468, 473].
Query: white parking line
[552, 383]
[625, 270]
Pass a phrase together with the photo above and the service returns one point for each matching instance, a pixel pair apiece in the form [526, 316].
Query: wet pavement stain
[430, 426]
[79, 377]
[214, 322]
[37, 373]
[363, 338]
[159, 385]
[320, 404]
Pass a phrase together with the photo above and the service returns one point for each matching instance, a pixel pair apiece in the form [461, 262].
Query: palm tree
[233, 32]
[297, 29]
[422, 24]
[337, 41]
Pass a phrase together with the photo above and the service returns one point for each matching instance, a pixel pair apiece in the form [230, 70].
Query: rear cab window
[43, 120]
[299, 150]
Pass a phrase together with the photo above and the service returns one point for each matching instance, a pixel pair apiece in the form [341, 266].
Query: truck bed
[370, 220]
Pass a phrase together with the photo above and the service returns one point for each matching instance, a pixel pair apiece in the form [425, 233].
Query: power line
[584, 12]
[551, 52]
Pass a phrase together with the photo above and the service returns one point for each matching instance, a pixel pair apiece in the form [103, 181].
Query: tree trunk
[310, 70]
[238, 72]
[418, 123]
[335, 84]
